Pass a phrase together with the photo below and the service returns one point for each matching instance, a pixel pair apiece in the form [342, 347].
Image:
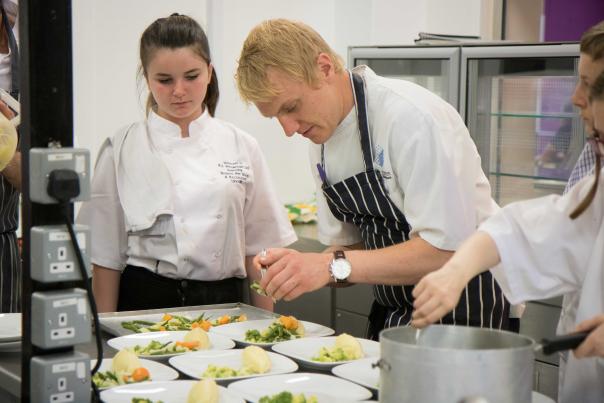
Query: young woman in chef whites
[538, 249]
[181, 201]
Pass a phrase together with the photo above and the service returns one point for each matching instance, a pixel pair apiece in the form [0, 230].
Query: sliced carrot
[289, 322]
[205, 325]
[194, 325]
[140, 374]
[167, 316]
[188, 344]
[242, 318]
[224, 320]
[162, 328]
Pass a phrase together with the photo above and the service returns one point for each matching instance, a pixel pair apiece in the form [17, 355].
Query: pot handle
[382, 364]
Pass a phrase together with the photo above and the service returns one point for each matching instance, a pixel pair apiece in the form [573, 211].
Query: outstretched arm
[438, 292]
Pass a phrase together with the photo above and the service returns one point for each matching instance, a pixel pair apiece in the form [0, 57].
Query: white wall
[106, 34]
[105, 54]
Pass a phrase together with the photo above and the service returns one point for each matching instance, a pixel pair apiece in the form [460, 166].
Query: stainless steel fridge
[515, 100]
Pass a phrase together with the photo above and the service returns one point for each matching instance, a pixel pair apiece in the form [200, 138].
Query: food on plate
[173, 322]
[254, 361]
[284, 328]
[195, 339]
[144, 400]
[204, 391]
[198, 337]
[125, 361]
[288, 397]
[125, 368]
[346, 348]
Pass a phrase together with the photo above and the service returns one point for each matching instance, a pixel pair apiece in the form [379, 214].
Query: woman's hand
[593, 346]
[436, 295]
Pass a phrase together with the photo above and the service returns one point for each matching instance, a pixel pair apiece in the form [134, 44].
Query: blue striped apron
[363, 201]
[10, 263]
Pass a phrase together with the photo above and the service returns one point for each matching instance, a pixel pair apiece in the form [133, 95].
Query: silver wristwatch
[340, 267]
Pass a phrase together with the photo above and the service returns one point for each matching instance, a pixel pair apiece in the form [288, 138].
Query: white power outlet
[42, 161]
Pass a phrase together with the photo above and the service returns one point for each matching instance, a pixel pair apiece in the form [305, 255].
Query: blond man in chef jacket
[399, 180]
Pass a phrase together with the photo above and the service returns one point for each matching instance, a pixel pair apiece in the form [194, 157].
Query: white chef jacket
[224, 206]
[546, 254]
[429, 162]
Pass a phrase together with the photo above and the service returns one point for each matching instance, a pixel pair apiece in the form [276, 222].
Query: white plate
[361, 372]
[217, 342]
[195, 364]
[326, 388]
[302, 350]
[166, 391]
[10, 327]
[157, 371]
[236, 331]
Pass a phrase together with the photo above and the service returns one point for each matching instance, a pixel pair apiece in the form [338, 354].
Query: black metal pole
[47, 117]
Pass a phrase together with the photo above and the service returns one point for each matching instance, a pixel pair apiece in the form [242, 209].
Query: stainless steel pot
[447, 364]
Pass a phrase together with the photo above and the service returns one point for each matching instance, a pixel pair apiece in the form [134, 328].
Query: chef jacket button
[183, 283]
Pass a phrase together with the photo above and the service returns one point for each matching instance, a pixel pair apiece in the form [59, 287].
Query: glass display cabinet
[517, 106]
[433, 67]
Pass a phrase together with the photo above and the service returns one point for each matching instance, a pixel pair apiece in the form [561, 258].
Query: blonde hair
[289, 46]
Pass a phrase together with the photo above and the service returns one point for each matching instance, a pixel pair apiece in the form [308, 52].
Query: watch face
[340, 269]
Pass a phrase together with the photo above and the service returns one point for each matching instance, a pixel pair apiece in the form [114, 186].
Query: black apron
[10, 262]
[141, 288]
[362, 200]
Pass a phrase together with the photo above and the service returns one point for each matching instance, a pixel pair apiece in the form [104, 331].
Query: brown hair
[592, 41]
[596, 92]
[290, 46]
[173, 32]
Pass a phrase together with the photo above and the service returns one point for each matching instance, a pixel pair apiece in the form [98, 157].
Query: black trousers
[142, 289]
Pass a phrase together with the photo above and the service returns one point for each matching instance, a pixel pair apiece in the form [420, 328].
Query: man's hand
[291, 273]
[593, 346]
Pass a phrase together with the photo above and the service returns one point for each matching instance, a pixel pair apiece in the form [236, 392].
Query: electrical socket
[42, 161]
[52, 255]
[61, 318]
[60, 378]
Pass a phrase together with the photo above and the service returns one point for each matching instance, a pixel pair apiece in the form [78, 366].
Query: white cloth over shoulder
[210, 196]
[431, 166]
[546, 254]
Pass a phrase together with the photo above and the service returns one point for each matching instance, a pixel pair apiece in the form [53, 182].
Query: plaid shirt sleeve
[584, 166]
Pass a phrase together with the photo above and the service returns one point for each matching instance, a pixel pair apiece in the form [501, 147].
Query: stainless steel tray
[111, 322]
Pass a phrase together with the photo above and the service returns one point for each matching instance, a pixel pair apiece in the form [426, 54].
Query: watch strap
[339, 254]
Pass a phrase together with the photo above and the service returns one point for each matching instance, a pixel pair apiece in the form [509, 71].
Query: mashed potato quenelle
[350, 345]
[346, 348]
[256, 360]
[204, 391]
[125, 362]
[199, 336]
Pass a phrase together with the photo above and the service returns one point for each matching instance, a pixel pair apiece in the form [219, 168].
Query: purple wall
[566, 20]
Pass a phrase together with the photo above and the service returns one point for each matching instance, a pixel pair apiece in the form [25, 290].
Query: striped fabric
[10, 272]
[10, 263]
[584, 166]
[363, 201]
